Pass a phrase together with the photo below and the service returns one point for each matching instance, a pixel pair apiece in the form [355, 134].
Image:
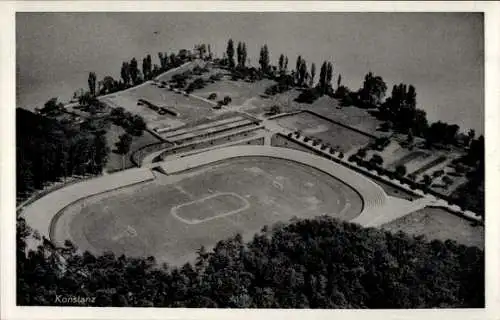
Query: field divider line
[174, 209]
[182, 190]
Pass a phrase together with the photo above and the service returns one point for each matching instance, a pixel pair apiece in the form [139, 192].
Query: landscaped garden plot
[436, 223]
[327, 131]
[411, 159]
[240, 195]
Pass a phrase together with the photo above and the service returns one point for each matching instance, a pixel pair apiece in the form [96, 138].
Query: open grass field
[436, 223]
[172, 216]
[329, 132]
[242, 93]
[189, 109]
[355, 117]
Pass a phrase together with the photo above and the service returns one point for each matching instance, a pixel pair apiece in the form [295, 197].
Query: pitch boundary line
[246, 205]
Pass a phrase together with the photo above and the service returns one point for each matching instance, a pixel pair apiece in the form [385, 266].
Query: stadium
[173, 208]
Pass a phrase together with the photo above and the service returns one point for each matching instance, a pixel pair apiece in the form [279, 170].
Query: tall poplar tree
[243, 55]
[230, 53]
[313, 74]
[239, 54]
[281, 63]
[125, 73]
[322, 77]
[92, 83]
[134, 71]
[264, 59]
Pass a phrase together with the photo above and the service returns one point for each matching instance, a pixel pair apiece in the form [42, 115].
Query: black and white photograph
[249, 160]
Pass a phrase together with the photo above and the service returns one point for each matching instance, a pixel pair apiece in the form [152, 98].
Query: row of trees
[300, 77]
[48, 150]
[283, 64]
[319, 263]
[131, 75]
[241, 54]
[323, 87]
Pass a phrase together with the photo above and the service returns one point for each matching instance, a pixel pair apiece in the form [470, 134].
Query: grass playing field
[329, 132]
[172, 216]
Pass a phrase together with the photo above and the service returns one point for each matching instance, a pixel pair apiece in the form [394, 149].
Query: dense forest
[48, 150]
[319, 263]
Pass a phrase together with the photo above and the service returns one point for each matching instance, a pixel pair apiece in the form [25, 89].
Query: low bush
[447, 180]
[309, 96]
[227, 100]
[400, 170]
[361, 153]
[377, 160]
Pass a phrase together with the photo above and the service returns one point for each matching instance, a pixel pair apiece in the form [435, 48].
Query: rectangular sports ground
[336, 135]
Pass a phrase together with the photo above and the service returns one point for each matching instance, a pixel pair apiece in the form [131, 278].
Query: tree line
[132, 73]
[48, 150]
[317, 263]
[301, 77]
